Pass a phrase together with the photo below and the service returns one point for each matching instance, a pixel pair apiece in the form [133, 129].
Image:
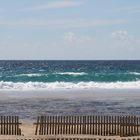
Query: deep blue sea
[43, 75]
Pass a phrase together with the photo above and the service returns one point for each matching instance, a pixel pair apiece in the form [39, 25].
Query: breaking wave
[68, 85]
[72, 73]
[134, 73]
[31, 75]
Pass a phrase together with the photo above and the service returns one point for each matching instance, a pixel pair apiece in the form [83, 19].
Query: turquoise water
[28, 75]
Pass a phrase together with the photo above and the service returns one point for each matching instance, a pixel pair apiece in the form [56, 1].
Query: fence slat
[9, 125]
[93, 125]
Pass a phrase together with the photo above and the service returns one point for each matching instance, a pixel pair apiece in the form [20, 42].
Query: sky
[69, 29]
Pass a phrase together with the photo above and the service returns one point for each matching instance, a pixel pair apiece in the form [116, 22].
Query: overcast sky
[70, 29]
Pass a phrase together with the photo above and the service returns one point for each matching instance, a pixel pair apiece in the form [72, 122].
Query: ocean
[54, 75]
[32, 88]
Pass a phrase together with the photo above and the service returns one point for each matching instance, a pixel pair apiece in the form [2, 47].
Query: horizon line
[69, 59]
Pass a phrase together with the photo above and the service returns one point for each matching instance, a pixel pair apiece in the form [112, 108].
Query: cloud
[120, 35]
[73, 38]
[70, 36]
[123, 38]
[56, 5]
[60, 23]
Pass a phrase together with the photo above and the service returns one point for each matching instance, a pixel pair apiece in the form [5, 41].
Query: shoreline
[72, 93]
[28, 104]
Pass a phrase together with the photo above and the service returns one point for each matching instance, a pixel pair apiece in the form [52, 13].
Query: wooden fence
[89, 125]
[79, 139]
[9, 125]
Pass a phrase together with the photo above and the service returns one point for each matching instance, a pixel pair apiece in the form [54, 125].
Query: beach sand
[29, 104]
[28, 131]
[93, 94]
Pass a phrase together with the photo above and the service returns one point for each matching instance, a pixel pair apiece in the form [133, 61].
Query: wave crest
[72, 73]
[67, 85]
[58, 73]
[134, 73]
[31, 75]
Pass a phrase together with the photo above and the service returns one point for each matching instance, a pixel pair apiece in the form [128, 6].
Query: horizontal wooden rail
[80, 139]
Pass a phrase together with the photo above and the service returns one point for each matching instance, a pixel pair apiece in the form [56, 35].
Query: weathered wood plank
[93, 125]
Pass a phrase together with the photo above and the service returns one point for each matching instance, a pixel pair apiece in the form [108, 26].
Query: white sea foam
[135, 73]
[31, 75]
[72, 73]
[41, 70]
[67, 85]
[59, 73]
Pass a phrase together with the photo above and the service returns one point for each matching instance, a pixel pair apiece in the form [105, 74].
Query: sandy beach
[28, 131]
[89, 94]
[29, 104]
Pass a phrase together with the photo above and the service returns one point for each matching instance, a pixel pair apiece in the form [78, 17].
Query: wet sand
[93, 94]
[29, 104]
